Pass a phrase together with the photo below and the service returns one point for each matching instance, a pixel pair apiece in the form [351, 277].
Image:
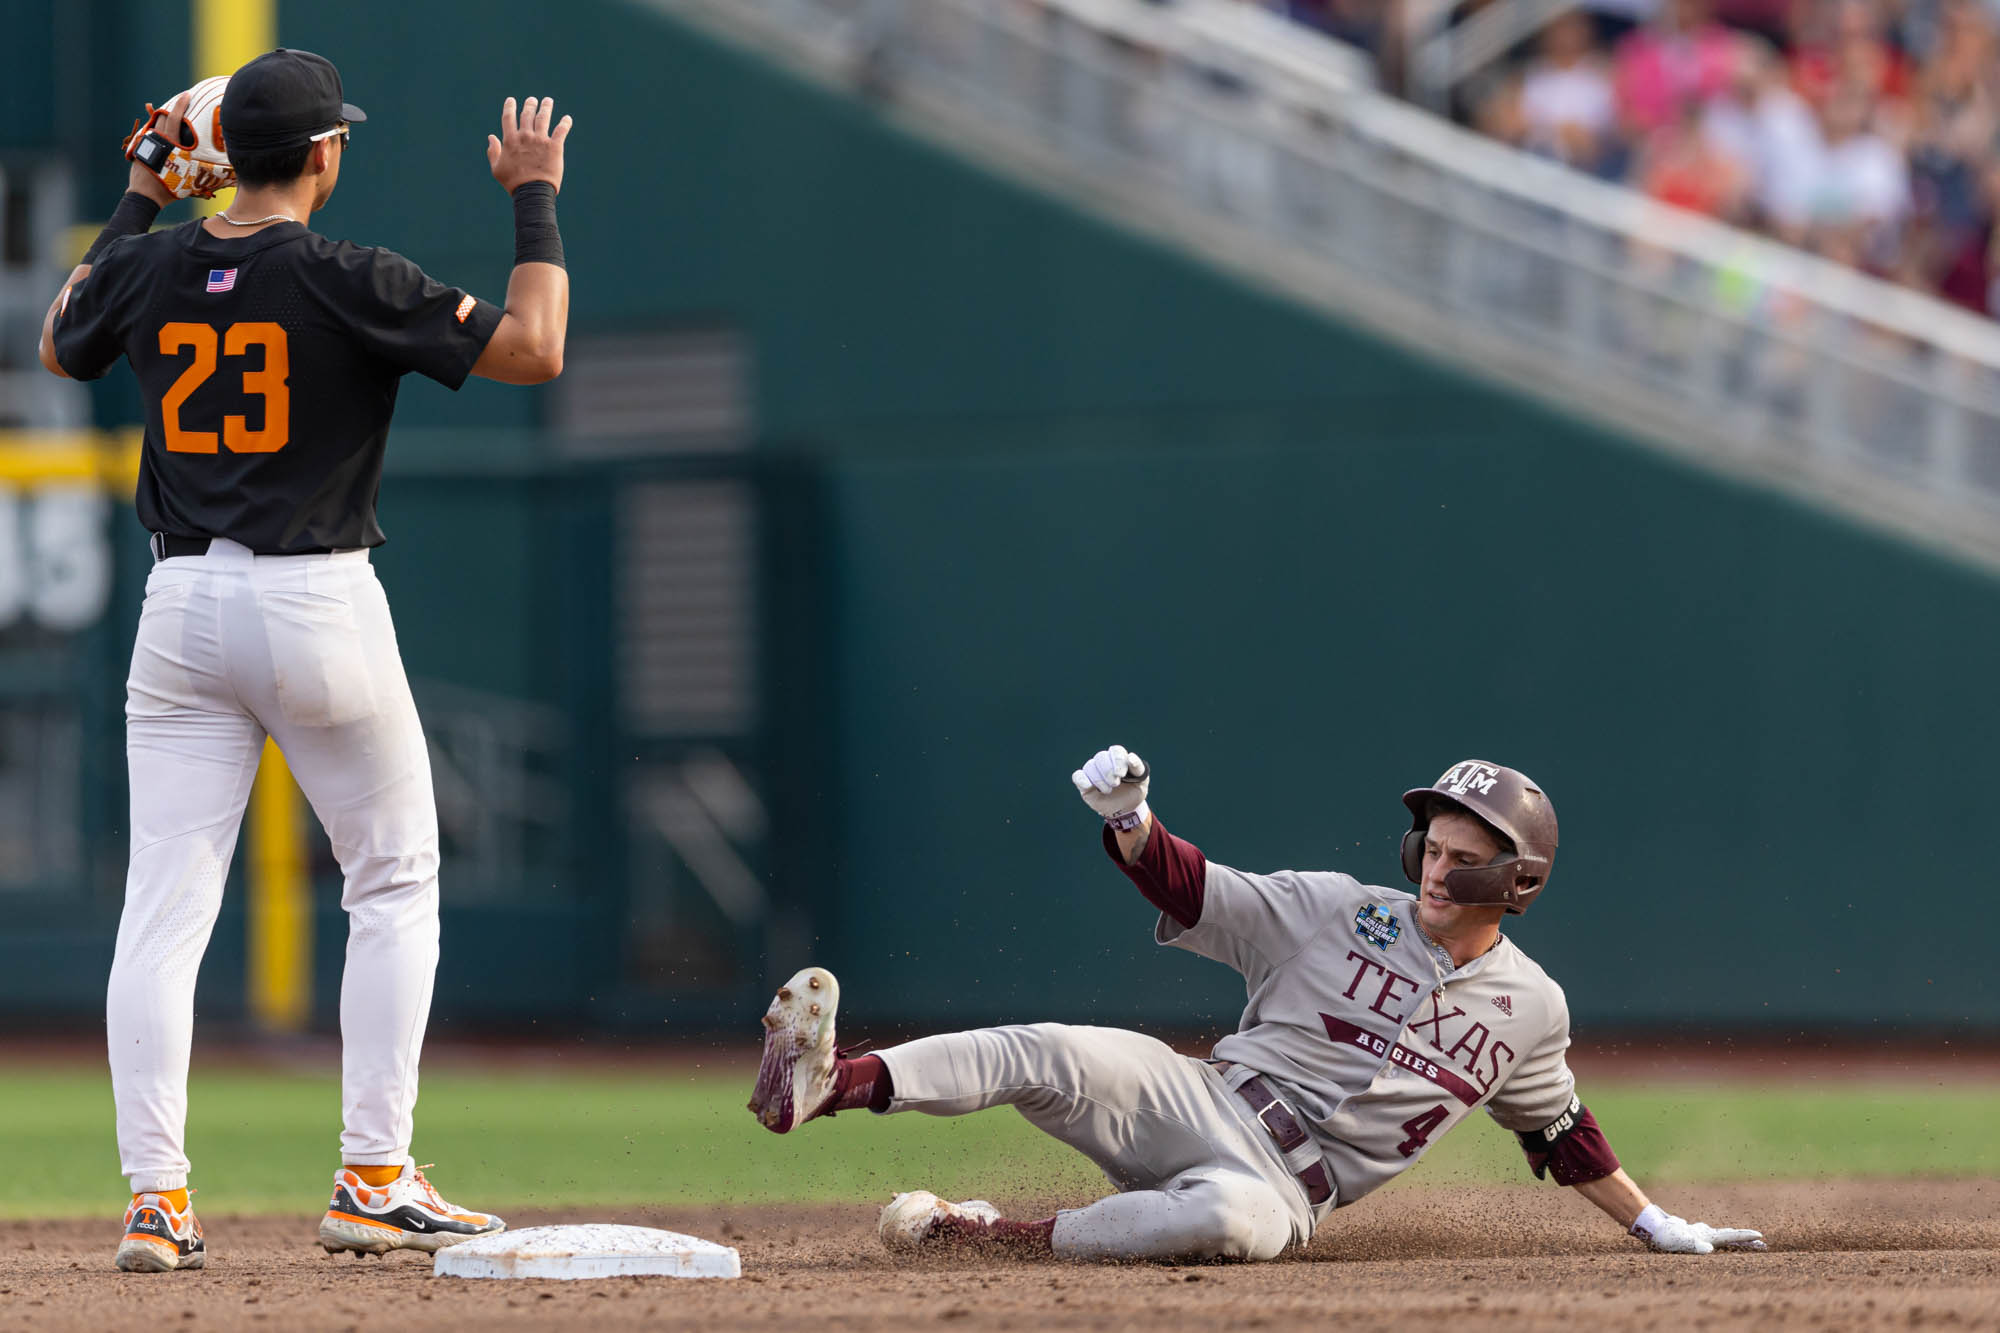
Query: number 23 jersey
[1383, 1048]
[269, 365]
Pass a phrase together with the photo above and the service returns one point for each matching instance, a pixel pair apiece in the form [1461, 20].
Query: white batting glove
[1114, 782]
[1668, 1234]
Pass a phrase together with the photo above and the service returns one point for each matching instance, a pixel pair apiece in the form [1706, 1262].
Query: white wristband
[1130, 820]
[1650, 1222]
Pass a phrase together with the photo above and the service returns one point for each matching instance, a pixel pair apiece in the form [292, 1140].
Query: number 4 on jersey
[1420, 1128]
[267, 382]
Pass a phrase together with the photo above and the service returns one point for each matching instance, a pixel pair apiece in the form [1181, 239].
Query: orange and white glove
[196, 166]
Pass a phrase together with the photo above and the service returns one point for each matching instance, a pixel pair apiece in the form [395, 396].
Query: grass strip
[529, 1138]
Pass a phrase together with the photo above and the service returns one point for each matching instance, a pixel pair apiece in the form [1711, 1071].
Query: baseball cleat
[405, 1214]
[913, 1218]
[158, 1239]
[795, 1078]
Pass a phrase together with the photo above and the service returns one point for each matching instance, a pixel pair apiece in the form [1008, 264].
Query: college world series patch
[1374, 924]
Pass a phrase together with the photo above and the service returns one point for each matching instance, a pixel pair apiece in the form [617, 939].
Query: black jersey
[270, 364]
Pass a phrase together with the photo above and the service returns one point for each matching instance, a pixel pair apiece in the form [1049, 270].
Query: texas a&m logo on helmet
[1469, 776]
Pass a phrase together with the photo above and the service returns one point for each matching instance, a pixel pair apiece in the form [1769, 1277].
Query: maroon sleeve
[1573, 1149]
[1170, 871]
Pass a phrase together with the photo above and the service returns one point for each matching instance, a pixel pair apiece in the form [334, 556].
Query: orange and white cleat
[405, 1214]
[160, 1238]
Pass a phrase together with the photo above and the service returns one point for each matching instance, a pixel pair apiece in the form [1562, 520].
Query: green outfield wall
[1027, 486]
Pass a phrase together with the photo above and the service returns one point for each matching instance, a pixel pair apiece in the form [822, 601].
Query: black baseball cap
[283, 99]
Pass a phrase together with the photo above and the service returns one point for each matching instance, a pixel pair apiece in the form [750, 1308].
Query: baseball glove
[196, 167]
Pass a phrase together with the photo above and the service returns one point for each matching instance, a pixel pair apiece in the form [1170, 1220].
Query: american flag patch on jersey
[221, 279]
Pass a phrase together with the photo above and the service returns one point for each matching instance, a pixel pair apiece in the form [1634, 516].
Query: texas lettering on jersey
[1380, 1050]
[1472, 1048]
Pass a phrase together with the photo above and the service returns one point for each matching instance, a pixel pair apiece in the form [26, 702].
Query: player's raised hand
[171, 122]
[527, 149]
[1668, 1234]
[1114, 782]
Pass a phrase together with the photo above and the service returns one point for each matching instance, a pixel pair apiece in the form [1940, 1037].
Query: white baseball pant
[231, 646]
[1200, 1179]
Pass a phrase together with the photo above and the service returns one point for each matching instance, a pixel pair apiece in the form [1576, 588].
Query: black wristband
[536, 239]
[1544, 1140]
[134, 214]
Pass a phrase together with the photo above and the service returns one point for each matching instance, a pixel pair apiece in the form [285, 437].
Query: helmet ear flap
[1413, 856]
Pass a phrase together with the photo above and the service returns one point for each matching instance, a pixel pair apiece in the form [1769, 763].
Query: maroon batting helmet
[1507, 802]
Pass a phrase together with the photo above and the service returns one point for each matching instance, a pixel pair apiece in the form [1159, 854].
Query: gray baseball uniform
[1379, 1041]
[1359, 1026]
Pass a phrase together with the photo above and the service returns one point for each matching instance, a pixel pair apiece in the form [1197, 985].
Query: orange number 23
[268, 382]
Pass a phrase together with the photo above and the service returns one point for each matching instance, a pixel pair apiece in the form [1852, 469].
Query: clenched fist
[1114, 783]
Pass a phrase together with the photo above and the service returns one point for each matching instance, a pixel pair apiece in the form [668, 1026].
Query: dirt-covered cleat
[795, 1081]
[160, 1238]
[913, 1218]
[405, 1214]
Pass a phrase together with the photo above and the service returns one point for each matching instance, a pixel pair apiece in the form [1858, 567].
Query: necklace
[1442, 954]
[274, 217]
[1438, 951]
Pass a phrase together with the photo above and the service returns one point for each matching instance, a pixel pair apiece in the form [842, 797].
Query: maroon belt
[1287, 1132]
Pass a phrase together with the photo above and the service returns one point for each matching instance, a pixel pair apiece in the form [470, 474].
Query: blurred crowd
[1865, 130]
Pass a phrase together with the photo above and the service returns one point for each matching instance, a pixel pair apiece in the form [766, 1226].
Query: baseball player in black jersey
[269, 357]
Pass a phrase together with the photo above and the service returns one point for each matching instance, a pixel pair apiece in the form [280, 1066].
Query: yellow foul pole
[227, 35]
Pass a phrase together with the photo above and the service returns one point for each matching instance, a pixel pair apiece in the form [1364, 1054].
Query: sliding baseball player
[1375, 1021]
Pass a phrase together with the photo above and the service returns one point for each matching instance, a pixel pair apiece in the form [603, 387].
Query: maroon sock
[1036, 1237]
[861, 1084]
[1031, 1235]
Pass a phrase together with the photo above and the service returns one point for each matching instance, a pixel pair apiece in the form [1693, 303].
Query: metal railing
[1271, 151]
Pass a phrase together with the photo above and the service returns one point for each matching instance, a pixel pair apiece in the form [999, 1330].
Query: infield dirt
[1915, 1254]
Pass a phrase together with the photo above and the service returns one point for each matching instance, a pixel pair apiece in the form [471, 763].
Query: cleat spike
[795, 1079]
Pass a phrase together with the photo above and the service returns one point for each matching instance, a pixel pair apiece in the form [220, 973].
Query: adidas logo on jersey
[1505, 1004]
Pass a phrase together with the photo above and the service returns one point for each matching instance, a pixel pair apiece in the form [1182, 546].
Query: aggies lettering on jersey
[1380, 1047]
[270, 364]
